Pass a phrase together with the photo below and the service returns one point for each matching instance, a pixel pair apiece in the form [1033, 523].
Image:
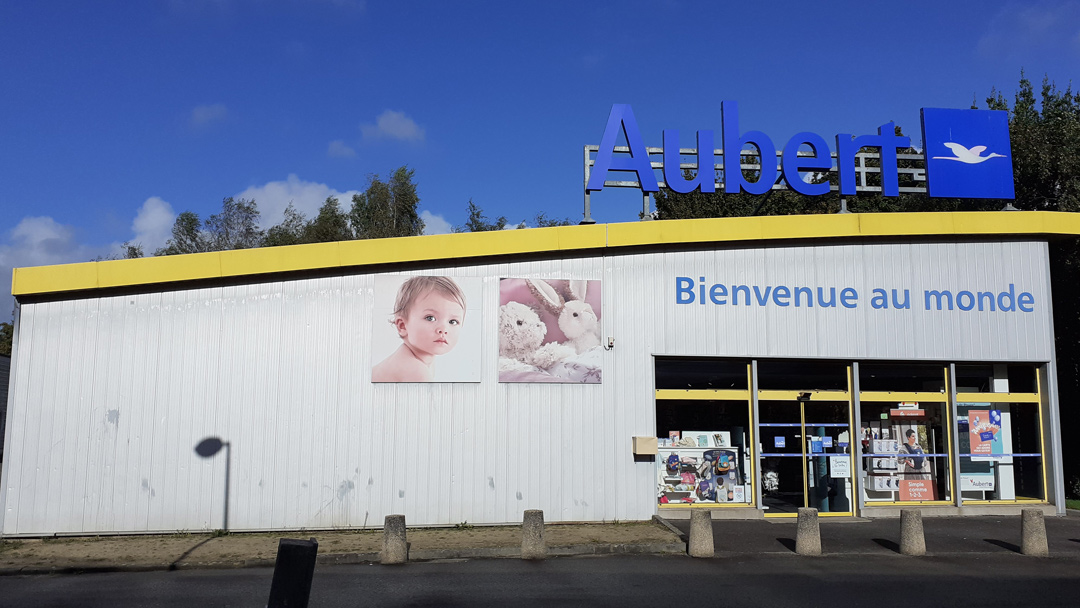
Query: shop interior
[904, 451]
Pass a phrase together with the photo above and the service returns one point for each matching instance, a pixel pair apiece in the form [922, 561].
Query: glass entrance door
[805, 456]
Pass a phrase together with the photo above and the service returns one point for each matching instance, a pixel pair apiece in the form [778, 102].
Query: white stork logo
[966, 156]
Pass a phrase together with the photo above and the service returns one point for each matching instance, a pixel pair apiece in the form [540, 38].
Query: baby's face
[433, 324]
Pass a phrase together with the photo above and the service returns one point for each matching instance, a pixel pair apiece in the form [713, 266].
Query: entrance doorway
[805, 455]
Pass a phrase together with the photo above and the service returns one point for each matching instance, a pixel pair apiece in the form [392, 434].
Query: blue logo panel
[968, 154]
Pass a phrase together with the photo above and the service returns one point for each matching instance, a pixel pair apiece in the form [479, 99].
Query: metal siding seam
[82, 465]
[50, 409]
[69, 379]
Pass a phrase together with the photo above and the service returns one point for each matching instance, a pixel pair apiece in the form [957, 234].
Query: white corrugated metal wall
[111, 394]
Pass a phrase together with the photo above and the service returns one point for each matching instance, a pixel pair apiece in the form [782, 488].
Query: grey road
[777, 579]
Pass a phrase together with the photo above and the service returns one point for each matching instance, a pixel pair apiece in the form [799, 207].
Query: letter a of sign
[622, 119]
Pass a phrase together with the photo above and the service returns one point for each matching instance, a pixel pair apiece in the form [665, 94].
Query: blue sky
[116, 116]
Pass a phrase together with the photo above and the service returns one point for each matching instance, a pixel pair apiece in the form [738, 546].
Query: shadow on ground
[891, 545]
[184, 555]
[1003, 544]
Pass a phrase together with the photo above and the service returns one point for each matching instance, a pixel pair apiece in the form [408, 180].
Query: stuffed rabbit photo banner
[549, 331]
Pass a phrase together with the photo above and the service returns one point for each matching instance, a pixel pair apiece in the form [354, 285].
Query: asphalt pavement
[979, 580]
[856, 536]
[970, 561]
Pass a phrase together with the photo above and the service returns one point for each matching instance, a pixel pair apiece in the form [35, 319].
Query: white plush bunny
[577, 320]
[521, 340]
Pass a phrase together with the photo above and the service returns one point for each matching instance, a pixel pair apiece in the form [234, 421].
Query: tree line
[384, 209]
[387, 208]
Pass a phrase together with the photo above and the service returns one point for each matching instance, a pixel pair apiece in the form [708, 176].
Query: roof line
[609, 237]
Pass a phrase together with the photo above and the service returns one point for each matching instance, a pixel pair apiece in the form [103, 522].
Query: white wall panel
[110, 395]
[860, 332]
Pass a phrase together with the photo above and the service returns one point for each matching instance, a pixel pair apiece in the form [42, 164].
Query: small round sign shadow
[209, 446]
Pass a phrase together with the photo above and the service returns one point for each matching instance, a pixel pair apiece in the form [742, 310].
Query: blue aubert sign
[967, 154]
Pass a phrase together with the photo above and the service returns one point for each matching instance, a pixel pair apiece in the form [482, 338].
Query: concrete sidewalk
[840, 536]
[944, 535]
[241, 550]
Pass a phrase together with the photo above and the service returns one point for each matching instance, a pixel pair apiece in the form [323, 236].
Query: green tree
[387, 209]
[236, 227]
[541, 220]
[289, 232]
[330, 224]
[1045, 135]
[128, 251]
[7, 336]
[478, 222]
[131, 250]
[187, 236]
[1045, 146]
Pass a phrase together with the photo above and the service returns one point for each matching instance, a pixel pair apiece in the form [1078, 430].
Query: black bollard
[293, 570]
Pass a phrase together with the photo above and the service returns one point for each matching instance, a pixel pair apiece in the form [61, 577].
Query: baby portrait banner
[550, 331]
[426, 329]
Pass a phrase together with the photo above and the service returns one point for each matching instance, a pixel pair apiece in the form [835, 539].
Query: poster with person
[426, 329]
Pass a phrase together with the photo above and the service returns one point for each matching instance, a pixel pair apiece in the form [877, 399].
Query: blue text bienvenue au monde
[687, 291]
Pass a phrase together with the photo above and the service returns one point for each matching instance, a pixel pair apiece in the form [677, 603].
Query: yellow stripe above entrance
[703, 395]
[897, 397]
[447, 248]
[998, 398]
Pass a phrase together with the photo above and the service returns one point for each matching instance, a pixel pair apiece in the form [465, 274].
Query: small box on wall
[645, 446]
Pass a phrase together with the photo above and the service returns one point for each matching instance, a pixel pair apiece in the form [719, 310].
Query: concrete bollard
[808, 534]
[912, 539]
[1033, 533]
[395, 548]
[701, 534]
[533, 545]
[293, 571]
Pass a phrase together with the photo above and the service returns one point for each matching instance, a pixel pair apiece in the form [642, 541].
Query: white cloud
[207, 114]
[339, 149]
[1023, 28]
[435, 224]
[273, 197]
[39, 241]
[153, 224]
[393, 125]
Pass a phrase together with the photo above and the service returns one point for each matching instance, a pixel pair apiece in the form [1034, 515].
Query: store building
[856, 363]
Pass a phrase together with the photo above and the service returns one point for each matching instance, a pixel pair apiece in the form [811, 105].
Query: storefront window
[805, 456]
[1000, 452]
[905, 452]
[703, 453]
[689, 373]
[995, 378]
[902, 377]
[802, 375]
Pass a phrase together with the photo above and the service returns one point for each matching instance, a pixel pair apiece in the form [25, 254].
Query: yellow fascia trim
[605, 237]
[703, 395]
[966, 398]
[891, 396]
[815, 395]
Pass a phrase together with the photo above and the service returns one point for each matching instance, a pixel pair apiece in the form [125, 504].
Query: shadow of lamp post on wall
[208, 448]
